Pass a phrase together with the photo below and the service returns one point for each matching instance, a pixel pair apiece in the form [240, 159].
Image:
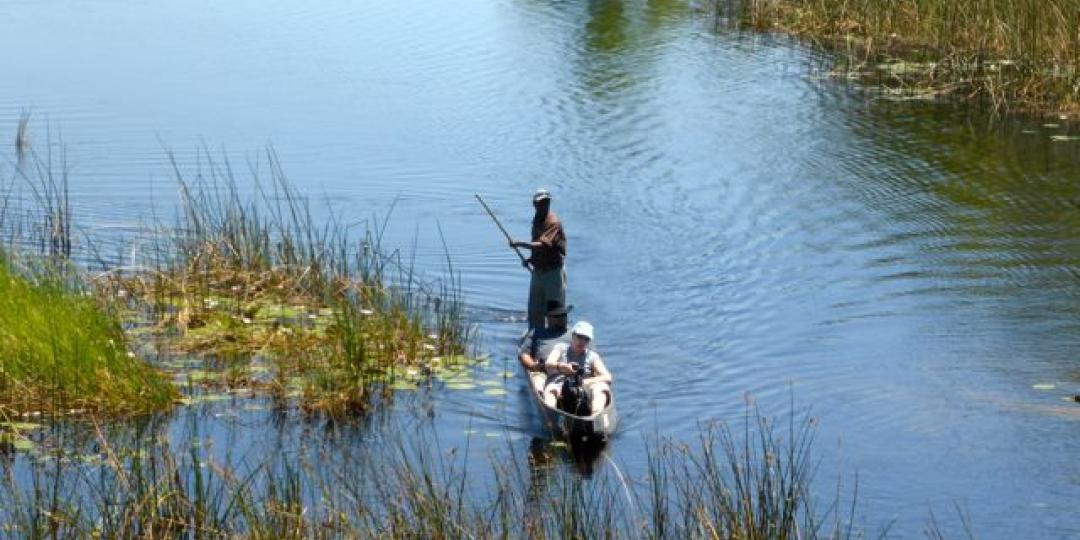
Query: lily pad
[495, 392]
[1043, 386]
[1064, 138]
[199, 375]
[20, 426]
[17, 441]
[403, 386]
[461, 386]
[203, 398]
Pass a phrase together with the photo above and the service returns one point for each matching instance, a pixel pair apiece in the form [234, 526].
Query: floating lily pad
[1064, 138]
[204, 398]
[461, 386]
[403, 386]
[20, 426]
[492, 383]
[1043, 386]
[495, 392]
[199, 375]
[492, 435]
[18, 442]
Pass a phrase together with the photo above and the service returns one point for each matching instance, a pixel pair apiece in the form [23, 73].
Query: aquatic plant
[748, 483]
[241, 278]
[1018, 55]
[61, 350]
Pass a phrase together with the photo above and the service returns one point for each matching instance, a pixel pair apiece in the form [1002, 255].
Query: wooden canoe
[596, 428]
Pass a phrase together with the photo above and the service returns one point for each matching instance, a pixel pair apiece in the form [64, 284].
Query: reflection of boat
[596, 428]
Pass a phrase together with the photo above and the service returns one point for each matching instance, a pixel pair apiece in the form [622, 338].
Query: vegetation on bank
[280, 302]
[265, 296]
[60, 350]
[750, 483]
[1018, 55]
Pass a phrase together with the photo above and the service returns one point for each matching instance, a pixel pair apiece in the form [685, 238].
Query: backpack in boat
[574, 399]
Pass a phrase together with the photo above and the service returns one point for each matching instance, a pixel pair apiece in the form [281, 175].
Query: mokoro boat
[596, 428]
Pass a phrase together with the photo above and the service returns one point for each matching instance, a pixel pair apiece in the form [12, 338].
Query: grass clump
[60, 350]
[253, 278]
[751, 483]
[1020, 55]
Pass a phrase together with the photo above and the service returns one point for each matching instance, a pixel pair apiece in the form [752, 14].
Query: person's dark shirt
[549, 232]
[539, 342]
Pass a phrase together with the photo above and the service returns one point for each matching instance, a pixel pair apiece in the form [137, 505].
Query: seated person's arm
[527, 360]
[601, 372]
[551, 364]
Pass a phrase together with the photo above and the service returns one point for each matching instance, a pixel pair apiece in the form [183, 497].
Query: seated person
[565, 360]
[538, 343]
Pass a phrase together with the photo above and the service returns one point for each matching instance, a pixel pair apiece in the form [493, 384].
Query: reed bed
[252, 282]
[746, 483]
[1017, 55]
[62, 349]
[244, 278]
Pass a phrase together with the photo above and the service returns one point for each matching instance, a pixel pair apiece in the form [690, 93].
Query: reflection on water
[735, 226]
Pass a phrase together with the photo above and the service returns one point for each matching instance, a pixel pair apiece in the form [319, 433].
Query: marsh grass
[242, 278]
[245, 278]
[1016, 55]
[141, 486]
[60, 349]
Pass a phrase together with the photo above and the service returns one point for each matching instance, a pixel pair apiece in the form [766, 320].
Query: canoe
[596, 428]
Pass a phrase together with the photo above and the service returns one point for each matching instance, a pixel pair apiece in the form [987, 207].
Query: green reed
[745, 483]
[60, 349]
[1020, 55]
[255, 274]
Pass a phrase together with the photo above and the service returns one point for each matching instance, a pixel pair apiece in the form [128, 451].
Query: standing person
[537, 344]
[548, 248]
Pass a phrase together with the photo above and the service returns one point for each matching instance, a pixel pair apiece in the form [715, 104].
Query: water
[738, 224]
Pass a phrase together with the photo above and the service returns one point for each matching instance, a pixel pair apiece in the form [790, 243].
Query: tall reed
[748, 483]
[60, 349]
[251, 271]
[1021, 55]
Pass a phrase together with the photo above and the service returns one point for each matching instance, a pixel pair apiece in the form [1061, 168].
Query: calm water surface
[737, 224]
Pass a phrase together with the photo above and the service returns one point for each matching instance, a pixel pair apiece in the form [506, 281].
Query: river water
[739, 225]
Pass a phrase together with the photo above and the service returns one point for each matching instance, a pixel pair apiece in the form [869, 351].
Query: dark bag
[574, 399]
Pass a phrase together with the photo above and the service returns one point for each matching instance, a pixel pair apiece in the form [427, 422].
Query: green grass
[60, 350]
[1017, 55]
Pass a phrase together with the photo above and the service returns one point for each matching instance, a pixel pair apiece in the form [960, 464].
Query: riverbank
[243, 293]
[62, 351]
[1014, 56]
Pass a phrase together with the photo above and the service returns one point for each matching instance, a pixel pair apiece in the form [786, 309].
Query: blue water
[739, 223]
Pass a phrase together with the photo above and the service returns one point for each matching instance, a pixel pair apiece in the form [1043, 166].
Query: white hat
[541, 194]
[582, 328]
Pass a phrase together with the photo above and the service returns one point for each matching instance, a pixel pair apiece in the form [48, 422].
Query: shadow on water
[986, 213]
